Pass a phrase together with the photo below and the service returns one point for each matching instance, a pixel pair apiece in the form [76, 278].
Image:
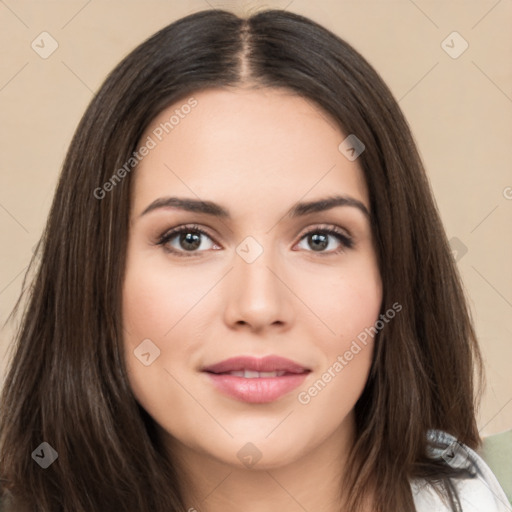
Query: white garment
[482, 493]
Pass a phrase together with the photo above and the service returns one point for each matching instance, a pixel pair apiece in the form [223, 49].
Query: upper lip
[263, 364]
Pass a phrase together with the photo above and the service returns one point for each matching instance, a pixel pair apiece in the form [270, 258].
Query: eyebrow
[211, 208]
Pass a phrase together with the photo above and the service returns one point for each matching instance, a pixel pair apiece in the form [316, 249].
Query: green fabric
[497, 453]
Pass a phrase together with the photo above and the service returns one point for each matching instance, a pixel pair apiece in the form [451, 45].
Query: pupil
[192, 239]
[322, 238]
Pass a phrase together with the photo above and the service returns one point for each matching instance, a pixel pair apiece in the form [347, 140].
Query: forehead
[254, 147]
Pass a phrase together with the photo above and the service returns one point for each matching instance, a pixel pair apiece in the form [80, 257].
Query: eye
[320, 238]
[187, 239]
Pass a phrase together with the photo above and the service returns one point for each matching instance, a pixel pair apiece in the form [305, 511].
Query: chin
[256, 452]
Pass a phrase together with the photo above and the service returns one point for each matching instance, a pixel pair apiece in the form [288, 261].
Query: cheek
[347, 357]
[348, 305]
[157, 297]
[161, 304]
[347, 302]
[151, 309]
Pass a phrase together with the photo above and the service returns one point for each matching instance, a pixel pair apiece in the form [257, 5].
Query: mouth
[256, 380]
[249, 374]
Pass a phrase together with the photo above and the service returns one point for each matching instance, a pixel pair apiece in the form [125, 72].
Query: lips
[256, 380]
[260, 365]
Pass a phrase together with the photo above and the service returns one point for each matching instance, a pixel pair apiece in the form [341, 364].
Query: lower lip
[259, 390]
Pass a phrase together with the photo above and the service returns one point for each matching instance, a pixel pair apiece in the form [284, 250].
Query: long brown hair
[67, 384]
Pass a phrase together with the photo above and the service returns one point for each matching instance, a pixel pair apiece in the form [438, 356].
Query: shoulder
[480, 492]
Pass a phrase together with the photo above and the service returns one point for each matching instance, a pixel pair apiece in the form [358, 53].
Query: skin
[256, 152]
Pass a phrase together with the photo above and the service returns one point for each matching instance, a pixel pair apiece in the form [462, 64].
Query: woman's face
[264, 277]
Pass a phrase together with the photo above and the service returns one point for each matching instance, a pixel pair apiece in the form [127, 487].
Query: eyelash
[345, 241]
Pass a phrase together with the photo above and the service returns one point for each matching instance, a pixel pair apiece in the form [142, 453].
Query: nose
[257, 295]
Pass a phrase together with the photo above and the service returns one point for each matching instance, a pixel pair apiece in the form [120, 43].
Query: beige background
[459, 109]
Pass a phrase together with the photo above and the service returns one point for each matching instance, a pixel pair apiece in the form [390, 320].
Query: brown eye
[185, 239]
[320, 239]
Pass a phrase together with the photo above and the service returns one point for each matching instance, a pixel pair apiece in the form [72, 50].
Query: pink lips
[251, 387]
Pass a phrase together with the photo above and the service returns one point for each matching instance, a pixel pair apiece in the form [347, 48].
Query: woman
[245, 298]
